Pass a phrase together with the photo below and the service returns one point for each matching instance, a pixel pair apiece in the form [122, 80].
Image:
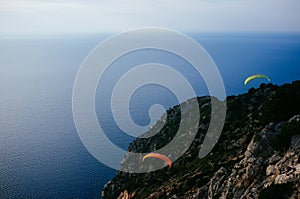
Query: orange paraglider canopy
[160, 156]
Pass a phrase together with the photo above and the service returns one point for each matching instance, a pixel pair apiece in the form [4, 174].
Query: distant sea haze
[41, 155]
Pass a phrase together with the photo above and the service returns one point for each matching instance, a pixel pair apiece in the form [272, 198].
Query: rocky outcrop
[126, 195]
[257, 155]
[260, 169]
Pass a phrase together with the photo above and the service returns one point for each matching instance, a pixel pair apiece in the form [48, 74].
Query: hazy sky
[79, 16]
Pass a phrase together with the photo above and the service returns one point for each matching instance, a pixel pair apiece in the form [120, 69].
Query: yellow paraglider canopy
[252, 77]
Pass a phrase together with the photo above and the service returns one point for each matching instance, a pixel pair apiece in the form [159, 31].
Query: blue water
[41, 155]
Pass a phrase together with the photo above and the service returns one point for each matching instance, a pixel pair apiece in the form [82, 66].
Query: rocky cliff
[257, 155]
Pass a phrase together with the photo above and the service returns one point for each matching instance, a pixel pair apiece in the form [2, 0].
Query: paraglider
[160, 156]
[256, 76]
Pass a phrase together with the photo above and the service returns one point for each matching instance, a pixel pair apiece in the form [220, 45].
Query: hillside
[257, 155]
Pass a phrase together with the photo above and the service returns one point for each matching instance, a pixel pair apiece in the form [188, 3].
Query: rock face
[126, 195]
[260, 169]
[257, 155]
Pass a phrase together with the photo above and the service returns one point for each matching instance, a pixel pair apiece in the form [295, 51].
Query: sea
[41, 154]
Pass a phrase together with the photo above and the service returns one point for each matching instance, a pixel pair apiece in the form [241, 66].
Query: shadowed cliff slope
[257, 155]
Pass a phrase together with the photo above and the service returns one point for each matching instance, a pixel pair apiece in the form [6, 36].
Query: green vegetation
[283, 104]
[277, 191]
[283, 139]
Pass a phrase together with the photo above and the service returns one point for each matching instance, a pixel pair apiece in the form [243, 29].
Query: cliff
[257, 155]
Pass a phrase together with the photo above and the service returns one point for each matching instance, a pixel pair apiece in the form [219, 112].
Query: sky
[94, 16]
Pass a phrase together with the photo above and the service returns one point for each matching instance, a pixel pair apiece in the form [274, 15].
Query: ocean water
[41, 155]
